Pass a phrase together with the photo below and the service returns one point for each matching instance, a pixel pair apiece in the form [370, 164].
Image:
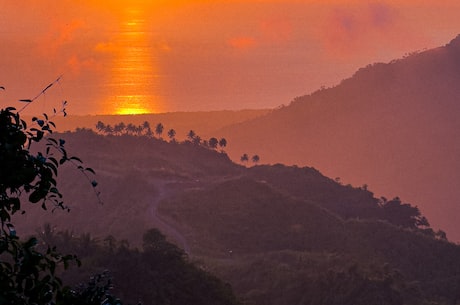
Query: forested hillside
[278, 234]
[392, 126]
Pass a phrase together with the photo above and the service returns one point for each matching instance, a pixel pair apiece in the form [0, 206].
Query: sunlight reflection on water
[134, 75]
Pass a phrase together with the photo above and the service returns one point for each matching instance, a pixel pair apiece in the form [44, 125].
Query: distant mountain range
[393, 126]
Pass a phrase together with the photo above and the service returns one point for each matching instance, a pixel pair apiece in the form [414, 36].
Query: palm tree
[119, 128]
[196, 140]
[130, 128]
[255, 159]
[244, 158]
[172, 134]
[108, 129]
[222, 144]
[191, 135]
[159, 129]
[213, 142]
[100, 126]
[146, 128]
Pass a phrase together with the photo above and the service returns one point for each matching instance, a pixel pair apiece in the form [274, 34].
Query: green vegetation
[145, 130]
[278, 234]
[31, 270]
[28, 275]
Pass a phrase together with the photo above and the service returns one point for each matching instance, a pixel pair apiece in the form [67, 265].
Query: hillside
[277, 234]
[392, 126]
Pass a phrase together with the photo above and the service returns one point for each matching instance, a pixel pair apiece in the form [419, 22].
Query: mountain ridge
[391, 125]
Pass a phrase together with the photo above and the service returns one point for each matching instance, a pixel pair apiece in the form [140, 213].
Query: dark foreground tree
[28, 276]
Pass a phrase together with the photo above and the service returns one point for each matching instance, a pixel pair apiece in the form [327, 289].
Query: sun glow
[134, 75]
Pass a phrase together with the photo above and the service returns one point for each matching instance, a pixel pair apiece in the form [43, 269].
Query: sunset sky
[162, 56]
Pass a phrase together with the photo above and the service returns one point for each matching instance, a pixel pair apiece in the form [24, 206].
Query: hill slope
[278, 234]
[393, 126]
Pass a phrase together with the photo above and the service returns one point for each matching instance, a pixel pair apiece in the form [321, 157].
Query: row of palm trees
[245, 159]
[145, 129]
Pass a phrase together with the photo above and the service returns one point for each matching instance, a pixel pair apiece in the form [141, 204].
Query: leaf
[26, 101]
[53, 168]
[52, 159]
[35, 196]
[88, 169]
[76, 159]
[52, 140]
[39, 136]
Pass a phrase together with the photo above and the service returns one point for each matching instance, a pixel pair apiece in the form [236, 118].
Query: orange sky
[158, 56]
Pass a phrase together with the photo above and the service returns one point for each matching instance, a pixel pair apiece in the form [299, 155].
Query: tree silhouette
[255, 159]
[196, 140]
[100, 126]
[172, 134]
[131, 129]
[222, 143]
[159, 129]
[191, 135]
[402, 214]
[119, 128]
[244, 158]
[28, 276]
[213, 142]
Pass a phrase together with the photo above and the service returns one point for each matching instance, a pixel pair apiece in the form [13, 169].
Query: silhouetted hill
[278, 234]
[393, 126]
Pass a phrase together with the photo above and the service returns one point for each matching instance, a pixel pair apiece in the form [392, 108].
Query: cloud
[76, 65]
[360, 29]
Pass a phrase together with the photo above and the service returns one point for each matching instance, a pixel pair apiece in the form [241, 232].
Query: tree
[222, 143]
[255, 159]
[196, 140]
[213, 142]
[244, 158]
[146, 128]
[108, 129]
[119, 128]
[172, 134]
[100, 126]
[191, 135]
[28, 276]
[402, 214]
[159, 129]
[131, 128]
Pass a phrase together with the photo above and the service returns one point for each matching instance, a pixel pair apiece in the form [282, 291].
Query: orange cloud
[76, 65]
[59, 35]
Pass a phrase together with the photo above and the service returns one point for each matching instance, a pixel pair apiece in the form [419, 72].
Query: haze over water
[162, 56]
